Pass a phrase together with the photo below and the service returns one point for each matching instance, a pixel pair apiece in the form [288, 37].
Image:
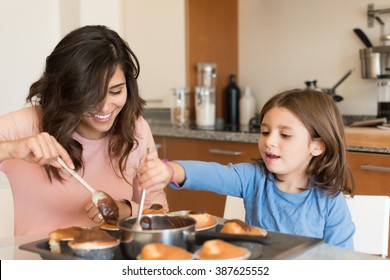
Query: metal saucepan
[173, 230]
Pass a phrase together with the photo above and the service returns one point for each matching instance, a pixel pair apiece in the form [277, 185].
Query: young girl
[297, 187]
[86, 109]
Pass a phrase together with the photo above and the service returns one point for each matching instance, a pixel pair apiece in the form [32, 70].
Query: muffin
[161, 251]
[154, 209]
[236, 226]
[217, 249]
[203, 219]
[94, 244]
[58, 239]
[111, 229]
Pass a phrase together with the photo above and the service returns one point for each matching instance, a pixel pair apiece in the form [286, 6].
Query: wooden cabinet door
[205, 150]
[371, 173]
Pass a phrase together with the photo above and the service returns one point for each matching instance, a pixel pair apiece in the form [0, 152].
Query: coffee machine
[375, 60]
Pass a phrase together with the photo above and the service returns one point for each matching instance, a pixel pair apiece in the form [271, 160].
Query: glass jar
[384, 96]
[207, 74]
[180, 107]
[205, 107]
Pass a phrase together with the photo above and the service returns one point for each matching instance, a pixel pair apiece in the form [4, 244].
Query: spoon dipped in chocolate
[105, 203]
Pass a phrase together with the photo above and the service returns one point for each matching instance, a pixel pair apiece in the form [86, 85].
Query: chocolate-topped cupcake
[154, 209]
[111, 229]
[59, 239]
[93, 244]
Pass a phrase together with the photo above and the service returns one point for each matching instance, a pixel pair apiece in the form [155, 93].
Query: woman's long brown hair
[76, 80]
[319, 114]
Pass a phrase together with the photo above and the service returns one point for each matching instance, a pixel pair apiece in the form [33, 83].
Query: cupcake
[236, 226]
[94, 244]
[203, 219]
[216, 249]
[161, 251]
[58, 239]
[111, 229]
[154, 209]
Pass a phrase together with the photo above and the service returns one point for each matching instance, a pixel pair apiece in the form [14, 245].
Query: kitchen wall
[283, 43]
[30, 30]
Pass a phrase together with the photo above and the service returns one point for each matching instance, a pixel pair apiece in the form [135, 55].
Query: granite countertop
[368, 144]
[368, 140]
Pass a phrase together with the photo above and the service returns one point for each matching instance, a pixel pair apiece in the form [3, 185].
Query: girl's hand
[40, 149]
[154, 174]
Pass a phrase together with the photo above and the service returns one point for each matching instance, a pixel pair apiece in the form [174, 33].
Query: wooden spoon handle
[74, 174]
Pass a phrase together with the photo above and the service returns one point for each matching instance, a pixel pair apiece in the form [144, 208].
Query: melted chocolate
[243, 225]
[171, 222]
[177, 222]
[92, 235]
[109, 210]
[146, 223]
[156, 206]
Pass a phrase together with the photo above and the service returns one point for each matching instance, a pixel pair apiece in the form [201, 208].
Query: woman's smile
[102, 118]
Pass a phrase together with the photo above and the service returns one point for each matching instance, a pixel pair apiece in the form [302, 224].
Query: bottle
[247, 108]
[232, 105]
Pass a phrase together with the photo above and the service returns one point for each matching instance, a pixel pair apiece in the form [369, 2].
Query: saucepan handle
[200, 237]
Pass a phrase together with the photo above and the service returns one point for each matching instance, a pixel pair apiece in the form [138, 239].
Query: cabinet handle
[224, 152]
[158, 146]
[375, 168]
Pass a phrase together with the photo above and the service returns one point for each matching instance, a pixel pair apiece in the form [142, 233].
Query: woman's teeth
[102, 117]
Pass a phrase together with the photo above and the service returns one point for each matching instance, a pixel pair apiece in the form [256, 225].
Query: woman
[86, 109]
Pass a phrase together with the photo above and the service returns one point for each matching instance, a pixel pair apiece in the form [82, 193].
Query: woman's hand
[94, 214]
[154, 174]
[40, 149]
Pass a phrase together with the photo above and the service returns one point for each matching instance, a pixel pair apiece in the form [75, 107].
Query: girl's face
[95, 125]
[285, 144]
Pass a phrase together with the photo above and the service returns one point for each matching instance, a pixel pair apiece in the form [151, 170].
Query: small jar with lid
[180, 107]
[384, 96]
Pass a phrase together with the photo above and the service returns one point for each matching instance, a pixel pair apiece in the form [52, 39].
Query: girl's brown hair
[76, 80]
[319, 114]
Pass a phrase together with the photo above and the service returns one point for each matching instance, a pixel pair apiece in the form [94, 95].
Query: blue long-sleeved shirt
[309, 213]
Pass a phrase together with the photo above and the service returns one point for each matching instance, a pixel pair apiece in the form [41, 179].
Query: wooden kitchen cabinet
[371, 173]
[206, 150]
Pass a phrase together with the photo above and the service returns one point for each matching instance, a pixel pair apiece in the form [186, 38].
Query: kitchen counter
[369, 140]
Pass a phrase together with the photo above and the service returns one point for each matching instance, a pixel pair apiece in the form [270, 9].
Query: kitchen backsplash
[163, 116]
